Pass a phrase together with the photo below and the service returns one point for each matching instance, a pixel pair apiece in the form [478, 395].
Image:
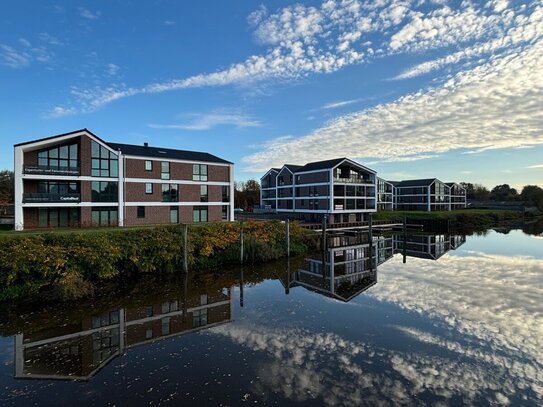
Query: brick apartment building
[78, 179]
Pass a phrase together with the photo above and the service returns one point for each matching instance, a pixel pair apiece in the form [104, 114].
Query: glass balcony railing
[48, 170]
[354, 180]
[34, 197]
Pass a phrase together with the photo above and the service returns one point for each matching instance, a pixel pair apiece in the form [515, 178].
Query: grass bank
[69, 264]
[460, 219]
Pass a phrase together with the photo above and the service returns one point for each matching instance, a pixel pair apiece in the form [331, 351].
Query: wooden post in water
[287, 236]
[241, 254]
[185, 248]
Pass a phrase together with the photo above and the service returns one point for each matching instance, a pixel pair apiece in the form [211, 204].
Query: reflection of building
[426, 246]
[78, 351]
[344, 271]
[385, 195]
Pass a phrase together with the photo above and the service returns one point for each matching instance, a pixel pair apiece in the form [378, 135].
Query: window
[203, 193]
[226, 193]
[104, 216]
[148, 165]
[104, 191]
[141, 212]
[104, 162]
[149, 311]
[165, 170]
[57, 187]
[59, 157]
[346, 218]
[337, 218]
[199, 318]
[170, 193]
[165, 326]
[58, 217]
[225, 212]
[199, 172]
[174, 214]
[148, 188]
[358, 217]
[199, 214]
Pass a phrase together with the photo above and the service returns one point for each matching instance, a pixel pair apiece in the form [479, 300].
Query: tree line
[531, 195]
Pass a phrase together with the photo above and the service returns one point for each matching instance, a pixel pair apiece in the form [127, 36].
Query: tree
[246, 194]
[7, 182]
[476, 192]
[503, 193]
[532, 195]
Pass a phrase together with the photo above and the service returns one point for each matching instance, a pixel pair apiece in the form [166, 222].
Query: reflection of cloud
[488, 353]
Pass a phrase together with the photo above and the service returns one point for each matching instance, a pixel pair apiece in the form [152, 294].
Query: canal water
[413, 320]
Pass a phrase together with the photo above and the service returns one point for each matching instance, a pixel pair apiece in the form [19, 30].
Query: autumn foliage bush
[68, 262]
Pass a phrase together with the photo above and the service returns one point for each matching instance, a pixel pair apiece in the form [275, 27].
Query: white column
[331, 191]
[18, 172]
[428, 198]
[120, 211]
[231, 174]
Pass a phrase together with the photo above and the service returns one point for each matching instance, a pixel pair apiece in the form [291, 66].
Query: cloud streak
[206, 121]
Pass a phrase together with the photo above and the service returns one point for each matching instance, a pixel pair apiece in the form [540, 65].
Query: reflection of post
[185, 296]
[404, 252]
[287, 236]
[241, 288]
[185, 248]
[19, 355]
[323, 242]
[287, 288]
[122, 331]
[370, 226]
[241, 242]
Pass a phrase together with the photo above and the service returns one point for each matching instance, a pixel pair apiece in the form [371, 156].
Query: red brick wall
[30, 218]
[135, 168]
[85, 155]
[31, 157]
[135, 192]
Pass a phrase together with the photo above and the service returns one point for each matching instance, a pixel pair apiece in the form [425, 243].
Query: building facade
[77, 179]
[457, 196]
[340, 189]
[385, 195]
[421, 195]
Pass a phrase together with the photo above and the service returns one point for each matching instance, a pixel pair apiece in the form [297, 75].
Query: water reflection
[78, 350]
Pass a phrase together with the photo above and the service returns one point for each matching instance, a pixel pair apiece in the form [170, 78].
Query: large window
[199, 172]
[58, 217]
[104, 162]
[199, 214]
[225, 212]
[165, 170]
[203, 193]
[226, 193]
[104, 191]
[170, 193]
[105, 216]
[59, 157]
[57, 187]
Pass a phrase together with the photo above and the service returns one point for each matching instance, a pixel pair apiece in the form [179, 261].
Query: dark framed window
[104, 191]
[199, 172]
[104, 163]
[58, 217]
[65, 156]
[148, 165]
[174, 214]
[148, 188]
[165, 170]
[104, 216]
[226, 193]
[199, 214]
[170, 193]
[203, 193]
[141, 212]
[337, 218]
[225, 212]
[57, 187]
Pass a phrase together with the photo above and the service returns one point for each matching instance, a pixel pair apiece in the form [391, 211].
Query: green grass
[505, 214]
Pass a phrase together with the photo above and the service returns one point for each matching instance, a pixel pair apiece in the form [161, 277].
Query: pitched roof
[60, 135]
[416, 182]
[450, 184]
[158, 152]
[292, 167]
[320, 165]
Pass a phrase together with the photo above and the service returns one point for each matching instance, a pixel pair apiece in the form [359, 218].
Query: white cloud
[339, 103]
[112, 69]
[169, 22]
[535, 166]
[90, 15]
[210, 120]
[59, 111]
[13, 58]
[494, 105]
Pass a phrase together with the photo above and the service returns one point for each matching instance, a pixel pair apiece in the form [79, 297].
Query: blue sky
[451, 89]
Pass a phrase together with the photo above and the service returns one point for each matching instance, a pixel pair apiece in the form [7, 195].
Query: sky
[411, 89]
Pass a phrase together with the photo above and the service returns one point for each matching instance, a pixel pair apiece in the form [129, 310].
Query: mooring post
[241, 254]
[185, 248]
[287, 236]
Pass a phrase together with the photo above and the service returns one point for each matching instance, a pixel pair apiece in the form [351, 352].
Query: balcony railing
[47, 170]
[32, 197]
[354, 180]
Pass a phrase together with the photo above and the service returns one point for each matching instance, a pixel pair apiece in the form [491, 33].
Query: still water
[414, 320]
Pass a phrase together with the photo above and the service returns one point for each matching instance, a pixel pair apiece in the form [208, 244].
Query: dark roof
[60, 135]
[450, 184]
[320, 165]
[158, 152]
[395, 183]
[292, 167]
[416, 182]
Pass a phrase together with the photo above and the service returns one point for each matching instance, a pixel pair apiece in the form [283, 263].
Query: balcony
[354, 180]
[32, 197]
[48, 170]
